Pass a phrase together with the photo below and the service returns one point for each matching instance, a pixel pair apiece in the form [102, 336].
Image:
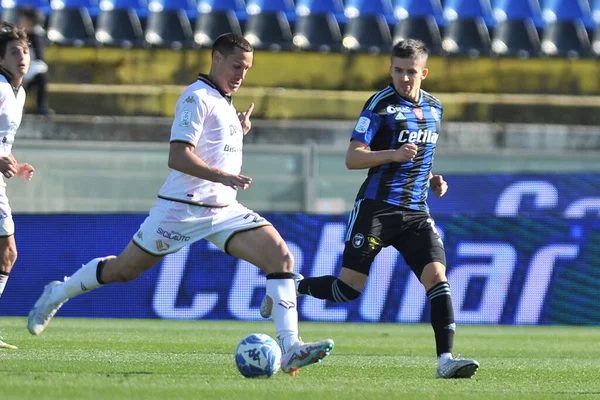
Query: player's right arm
[183, 159]
[360, 156]
[190, 113]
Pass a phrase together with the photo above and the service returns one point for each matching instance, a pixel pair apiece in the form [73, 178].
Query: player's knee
[433, 273]
[287, 261]
[348, 292]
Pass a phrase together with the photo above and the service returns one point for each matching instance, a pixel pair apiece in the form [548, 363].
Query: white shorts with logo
[172, 225]
[7, 226]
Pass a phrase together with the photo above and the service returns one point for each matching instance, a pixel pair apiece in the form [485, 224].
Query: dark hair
[32, 14]
[9, 33]
[410, 48]
[227, 42]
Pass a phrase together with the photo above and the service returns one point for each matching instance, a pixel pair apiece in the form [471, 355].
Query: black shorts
[374, 224]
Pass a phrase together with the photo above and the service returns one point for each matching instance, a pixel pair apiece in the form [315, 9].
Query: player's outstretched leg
[44, 309]
[456, 367]
[4, 345]
[304, 354]
[266, 306]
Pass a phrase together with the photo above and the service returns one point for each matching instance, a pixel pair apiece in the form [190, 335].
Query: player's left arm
[437, 184]
[24, 170]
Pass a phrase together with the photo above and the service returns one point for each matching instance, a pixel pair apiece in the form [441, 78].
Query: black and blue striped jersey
[387, 122]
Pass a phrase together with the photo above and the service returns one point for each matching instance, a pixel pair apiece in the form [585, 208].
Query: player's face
[407, 74]
[16, 60]
[229, 72]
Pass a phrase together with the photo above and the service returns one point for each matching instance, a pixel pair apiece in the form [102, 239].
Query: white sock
[285, 311]
[444, 357]
[83, 280]
[3, 280]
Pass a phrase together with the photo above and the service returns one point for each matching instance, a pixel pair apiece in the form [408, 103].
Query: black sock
[442, 317]
[329, 288]
[99, 269]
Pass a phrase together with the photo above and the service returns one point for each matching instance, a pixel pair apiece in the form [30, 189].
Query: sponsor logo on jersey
[362, 125]
[234, 129]
[176, 236]
[435, 113]
[420, 136]
[190, 99]
[232, 149]
[418, 112]
[140, 235]
[396, 110]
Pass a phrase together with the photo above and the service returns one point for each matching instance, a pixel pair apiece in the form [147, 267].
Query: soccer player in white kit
[198, 201]
[14, 63]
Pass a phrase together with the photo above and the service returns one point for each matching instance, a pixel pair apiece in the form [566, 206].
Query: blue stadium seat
[467, 31]
[317, 26]
[418, 19]
[515, 33]
[368, 26]
[71, 22]
[169, 23]
[268, 24]
[119, 23]
[566, 33]
[11, 8]
[216, 17]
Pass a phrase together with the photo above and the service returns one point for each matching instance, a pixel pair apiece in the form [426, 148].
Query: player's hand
[25, 171]
[8, 166]
[438, 185]
[236, 181]
[405, 153]
[245, 119]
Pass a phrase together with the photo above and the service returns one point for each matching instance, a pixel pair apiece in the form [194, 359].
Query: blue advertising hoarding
[527, 261]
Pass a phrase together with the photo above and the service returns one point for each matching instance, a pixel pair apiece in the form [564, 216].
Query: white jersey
[205, 118]
[11, 113]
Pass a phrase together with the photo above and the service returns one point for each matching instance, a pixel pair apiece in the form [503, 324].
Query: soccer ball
[258, 356]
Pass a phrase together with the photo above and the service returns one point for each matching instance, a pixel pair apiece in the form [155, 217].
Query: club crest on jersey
[435, 113]
[358, 240]
[418, 112]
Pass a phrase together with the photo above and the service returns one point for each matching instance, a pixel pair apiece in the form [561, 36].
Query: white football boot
[4, 345]
[44, 309]
[457, 368]
[304, 354]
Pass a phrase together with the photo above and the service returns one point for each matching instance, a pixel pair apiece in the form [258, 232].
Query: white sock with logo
[83, 280]
[285, 311]
[3, 280]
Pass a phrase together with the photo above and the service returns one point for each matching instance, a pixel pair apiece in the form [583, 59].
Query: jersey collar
[206, 79]
[9, 79]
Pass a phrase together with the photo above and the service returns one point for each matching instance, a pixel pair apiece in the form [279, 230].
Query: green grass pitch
[157, 359]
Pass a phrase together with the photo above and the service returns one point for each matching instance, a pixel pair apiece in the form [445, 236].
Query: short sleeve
[366, 127]
[190, 113]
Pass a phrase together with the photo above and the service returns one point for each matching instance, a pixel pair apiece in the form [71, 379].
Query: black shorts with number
[375, 224]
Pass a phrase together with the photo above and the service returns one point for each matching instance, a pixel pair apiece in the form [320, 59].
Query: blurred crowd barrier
[111, 164]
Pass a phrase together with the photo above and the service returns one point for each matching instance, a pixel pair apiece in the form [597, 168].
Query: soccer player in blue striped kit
[395, 138]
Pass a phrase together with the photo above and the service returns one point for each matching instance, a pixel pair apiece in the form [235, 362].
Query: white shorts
[7, 226]
[172, 225]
